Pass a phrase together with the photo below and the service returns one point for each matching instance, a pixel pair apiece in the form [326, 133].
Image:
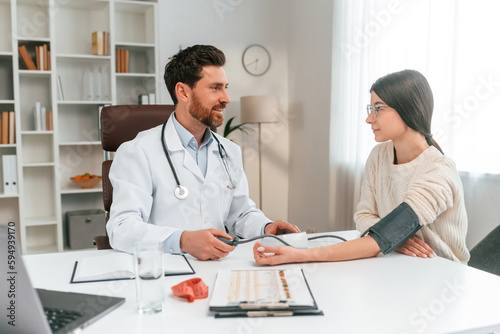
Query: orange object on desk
[191, 289]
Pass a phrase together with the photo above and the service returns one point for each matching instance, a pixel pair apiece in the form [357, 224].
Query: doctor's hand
[282, 254]
[416, 247]
[203, 245]
[278, 226]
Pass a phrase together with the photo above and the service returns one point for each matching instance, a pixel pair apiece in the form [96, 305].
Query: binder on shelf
[5, 127]
[12, 127]
[9, 169]
[13, 171]
[262, 293]
[28, 61]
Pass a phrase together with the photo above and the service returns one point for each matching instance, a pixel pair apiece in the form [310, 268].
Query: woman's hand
[415, 247]
[282, 254]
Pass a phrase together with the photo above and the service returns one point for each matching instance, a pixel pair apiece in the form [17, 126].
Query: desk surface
[387, 294]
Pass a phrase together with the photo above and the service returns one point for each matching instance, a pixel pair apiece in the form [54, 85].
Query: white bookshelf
[47, 159]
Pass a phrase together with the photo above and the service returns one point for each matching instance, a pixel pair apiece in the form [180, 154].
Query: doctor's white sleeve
[130, 176]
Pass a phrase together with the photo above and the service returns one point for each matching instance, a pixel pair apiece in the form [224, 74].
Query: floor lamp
[259, 109]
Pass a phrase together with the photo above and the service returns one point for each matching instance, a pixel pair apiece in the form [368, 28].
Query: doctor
[188, 202]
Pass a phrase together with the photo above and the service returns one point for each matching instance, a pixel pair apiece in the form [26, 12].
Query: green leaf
[229, 128]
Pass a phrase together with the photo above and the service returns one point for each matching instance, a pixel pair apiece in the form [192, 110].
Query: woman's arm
[348, 250]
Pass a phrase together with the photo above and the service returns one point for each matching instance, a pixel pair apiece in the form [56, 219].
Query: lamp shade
[259, 109]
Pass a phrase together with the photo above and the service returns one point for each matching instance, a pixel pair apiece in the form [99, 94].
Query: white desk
[388, 294]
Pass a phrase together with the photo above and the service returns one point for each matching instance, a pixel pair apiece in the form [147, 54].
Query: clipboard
[90, 269]
[262, 293]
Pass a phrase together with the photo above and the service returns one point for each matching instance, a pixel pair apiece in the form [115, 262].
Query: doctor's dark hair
[187, 64]
[409, 93]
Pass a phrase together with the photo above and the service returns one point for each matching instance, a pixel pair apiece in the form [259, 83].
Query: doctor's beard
[205, 115]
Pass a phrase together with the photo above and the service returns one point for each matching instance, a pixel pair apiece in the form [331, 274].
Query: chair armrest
[102, 242]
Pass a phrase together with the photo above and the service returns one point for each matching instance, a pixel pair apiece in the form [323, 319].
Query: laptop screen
[26, 307]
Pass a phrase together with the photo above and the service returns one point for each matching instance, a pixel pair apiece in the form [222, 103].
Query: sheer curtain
[454, 45]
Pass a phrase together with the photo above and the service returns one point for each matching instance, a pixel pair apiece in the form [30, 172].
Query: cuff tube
[395, 228]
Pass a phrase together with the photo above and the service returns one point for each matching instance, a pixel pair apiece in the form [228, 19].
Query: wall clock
[256, 60]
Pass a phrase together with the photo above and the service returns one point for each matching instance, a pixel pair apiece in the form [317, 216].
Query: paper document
[286, 286]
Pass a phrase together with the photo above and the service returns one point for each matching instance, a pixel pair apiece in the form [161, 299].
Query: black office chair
[486, 254]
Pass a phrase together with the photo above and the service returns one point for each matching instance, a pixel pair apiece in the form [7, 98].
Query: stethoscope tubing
[181, 192]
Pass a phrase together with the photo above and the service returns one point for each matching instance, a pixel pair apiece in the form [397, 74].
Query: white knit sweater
[430, 185]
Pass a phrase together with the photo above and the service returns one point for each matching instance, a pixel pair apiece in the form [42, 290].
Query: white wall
[309, 68]
[232, 26]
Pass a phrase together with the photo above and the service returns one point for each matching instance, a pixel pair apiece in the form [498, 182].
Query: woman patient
[412, 198]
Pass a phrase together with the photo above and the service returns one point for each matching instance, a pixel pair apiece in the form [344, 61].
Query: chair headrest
[123, 122]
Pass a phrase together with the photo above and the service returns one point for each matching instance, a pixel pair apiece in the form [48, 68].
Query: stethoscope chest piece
[181, 192]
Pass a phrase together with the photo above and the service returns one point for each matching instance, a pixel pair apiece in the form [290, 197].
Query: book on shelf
[12, 127]
[28, 61]
[44, 57]
[120, 266]
[147, 98]
[100, 43]
[40, 58]
[143, 99]
[9, 170]
[45, 51]
[126, 67]
[37, 116]
[122, 61]
[43, 118]
[5, 127]
[152, 98]
[118, 60]
[60, 89]
[49, 120]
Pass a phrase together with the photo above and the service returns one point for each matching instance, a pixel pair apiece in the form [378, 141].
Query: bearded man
[204, 192]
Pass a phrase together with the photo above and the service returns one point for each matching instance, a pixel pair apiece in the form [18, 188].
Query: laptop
[29, 310]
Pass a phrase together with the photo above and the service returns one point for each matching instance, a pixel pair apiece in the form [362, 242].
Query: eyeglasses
[375, 109]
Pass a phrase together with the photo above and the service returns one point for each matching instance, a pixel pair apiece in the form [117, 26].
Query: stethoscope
[180, 191]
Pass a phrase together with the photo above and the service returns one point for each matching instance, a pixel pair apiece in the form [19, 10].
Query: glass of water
[149, 274]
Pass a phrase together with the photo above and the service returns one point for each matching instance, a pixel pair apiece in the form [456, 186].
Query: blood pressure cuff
[395, 228]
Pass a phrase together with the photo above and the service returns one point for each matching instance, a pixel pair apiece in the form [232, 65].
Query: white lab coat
[145, 207]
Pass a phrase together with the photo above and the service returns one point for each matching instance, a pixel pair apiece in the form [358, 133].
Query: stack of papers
[269, 292]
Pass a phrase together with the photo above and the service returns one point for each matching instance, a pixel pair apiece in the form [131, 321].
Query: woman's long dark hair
[409, 93]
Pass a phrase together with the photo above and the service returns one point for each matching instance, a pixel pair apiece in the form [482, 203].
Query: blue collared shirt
[200, 155]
